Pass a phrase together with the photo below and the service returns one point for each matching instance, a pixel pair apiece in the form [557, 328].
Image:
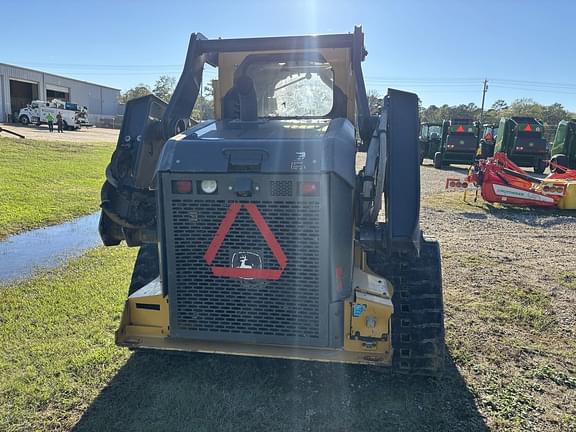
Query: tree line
[164, 87]
[549, 114]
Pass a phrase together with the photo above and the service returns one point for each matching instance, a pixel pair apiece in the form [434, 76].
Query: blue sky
[441, 49]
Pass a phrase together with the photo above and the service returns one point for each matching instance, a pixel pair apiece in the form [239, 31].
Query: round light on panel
[209, 186]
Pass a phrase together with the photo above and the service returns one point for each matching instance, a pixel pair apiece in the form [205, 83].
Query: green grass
[568, 280]
[48, 182]
[56, 337]
[59, 368]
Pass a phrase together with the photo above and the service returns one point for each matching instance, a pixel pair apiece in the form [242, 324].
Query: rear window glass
[292, 88]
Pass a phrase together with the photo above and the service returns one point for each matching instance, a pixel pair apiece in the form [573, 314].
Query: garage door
[21, 94]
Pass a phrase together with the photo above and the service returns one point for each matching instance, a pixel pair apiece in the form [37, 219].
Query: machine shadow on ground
[184, 392]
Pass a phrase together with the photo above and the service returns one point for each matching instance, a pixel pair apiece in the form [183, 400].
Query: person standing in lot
[50, 120]
[60, 122]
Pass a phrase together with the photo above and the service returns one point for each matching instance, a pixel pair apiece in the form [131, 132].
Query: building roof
[59, 76]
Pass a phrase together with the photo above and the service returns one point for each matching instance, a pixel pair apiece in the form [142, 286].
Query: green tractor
[459, 142]
[430, 140]
[564, 146]
[522, 139]
[488, 140]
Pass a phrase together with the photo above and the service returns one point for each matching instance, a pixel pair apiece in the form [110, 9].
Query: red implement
[501, 180]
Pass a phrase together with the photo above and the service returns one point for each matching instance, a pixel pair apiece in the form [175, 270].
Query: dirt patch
[42, 133]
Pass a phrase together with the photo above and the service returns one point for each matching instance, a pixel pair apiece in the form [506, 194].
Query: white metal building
[19, 86]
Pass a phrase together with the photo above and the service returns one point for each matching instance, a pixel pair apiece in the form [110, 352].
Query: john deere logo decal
[246, 260]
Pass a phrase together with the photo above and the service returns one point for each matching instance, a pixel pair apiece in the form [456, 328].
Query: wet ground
[46, 248]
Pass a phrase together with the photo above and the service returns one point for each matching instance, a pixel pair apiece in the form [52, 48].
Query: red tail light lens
[310, 188]
[182, 186]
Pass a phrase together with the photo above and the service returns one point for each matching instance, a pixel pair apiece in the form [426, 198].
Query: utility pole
[484, 90]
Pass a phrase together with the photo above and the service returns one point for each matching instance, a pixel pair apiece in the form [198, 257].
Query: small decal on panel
[246, 260]
[298, 163]
[358, 309]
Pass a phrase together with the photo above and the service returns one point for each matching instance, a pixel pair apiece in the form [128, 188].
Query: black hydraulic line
[521, 176]
[11, 132]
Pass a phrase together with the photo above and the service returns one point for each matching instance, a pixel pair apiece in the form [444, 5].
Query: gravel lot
[92, 134]
[510, 295]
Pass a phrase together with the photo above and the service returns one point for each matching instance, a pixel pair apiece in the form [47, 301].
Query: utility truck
[74, 116]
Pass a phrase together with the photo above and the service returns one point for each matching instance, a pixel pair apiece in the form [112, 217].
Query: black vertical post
[484, 90]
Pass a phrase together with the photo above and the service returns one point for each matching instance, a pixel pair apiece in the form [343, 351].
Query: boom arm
[128, 201]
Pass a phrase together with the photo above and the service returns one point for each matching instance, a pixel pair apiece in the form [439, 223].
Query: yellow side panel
[145, 314]
[568, 201]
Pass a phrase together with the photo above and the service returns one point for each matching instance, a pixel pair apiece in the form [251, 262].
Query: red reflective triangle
[222, 232]
[528, 128]
[488, 137]
[460, 128]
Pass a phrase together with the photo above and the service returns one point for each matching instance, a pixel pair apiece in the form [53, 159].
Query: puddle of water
[46, 248]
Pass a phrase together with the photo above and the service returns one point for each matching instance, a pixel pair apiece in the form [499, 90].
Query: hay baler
[459, 143]
[564, 146]
[522, 140]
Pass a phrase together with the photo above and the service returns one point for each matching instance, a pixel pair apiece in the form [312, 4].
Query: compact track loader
[257, 235]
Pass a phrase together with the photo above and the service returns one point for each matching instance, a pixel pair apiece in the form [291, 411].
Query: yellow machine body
[366, 321]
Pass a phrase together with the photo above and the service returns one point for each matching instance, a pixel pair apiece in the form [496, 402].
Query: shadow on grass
[192, 392]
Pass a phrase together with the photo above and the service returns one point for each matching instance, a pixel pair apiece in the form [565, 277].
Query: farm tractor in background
[459, 142]
[257, 235]
[522, 140]
[430, 140]
[564, 146]
[488, 141]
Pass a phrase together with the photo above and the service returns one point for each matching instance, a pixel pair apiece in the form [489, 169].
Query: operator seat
[240, 102]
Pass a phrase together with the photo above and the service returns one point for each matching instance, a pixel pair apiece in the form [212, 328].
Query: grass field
[510, 289]
[59, 366]
[508, 368]
[64, 179]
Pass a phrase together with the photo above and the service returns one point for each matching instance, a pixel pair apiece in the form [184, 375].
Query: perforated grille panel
[281, 188]
[279, 311]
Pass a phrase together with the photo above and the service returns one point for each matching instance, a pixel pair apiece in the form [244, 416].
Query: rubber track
[418, 319]
[146, 267]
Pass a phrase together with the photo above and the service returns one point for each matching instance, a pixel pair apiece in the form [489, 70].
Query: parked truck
[74, 116]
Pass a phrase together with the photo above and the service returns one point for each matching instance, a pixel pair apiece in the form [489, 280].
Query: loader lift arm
[128, 201]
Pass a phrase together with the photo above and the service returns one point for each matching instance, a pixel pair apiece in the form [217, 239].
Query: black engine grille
[279, 311]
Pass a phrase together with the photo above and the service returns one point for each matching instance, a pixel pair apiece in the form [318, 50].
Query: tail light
[310, 188]
[182, 186]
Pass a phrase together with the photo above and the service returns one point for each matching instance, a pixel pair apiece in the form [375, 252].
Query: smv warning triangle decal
[246, 273]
